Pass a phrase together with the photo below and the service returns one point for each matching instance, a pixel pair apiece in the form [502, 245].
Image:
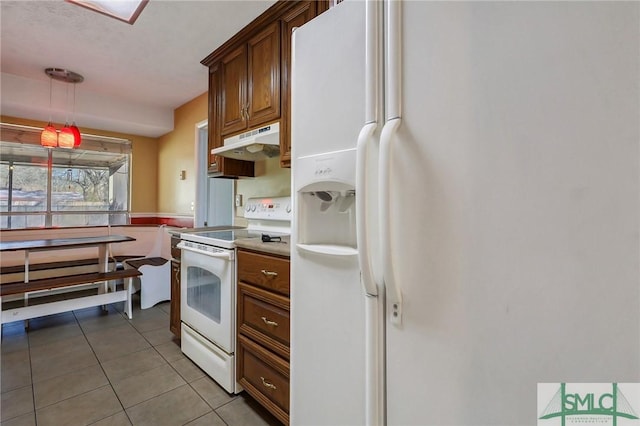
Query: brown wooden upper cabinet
[220, 166]
[250, 80]
[250, 92]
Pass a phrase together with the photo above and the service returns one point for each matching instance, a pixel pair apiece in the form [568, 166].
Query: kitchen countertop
[281, 248]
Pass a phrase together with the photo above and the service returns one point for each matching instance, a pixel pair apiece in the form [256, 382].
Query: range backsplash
[271, 181]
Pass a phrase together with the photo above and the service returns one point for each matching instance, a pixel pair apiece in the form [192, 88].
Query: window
[43, 187]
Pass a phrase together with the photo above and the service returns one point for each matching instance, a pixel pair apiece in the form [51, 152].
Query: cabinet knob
[269, 322]
[268, 384]
[269, 273]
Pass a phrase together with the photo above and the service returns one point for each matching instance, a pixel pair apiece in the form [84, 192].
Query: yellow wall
[144, 167]
[176, 152]
[271, 181]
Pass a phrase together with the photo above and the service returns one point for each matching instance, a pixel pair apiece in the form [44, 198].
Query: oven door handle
[228, 255]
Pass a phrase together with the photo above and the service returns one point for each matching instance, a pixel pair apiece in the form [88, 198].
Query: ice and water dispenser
[325, 191]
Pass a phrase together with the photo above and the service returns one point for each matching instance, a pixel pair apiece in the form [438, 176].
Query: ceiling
[135, 76]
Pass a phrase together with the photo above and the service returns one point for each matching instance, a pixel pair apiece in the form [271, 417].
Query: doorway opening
[214, 196]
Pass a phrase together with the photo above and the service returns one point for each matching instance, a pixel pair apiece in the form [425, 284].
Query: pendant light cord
[73, 116]
[50, 89]
[66, 106]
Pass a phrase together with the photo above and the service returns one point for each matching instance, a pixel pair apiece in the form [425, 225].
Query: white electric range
[208, 286]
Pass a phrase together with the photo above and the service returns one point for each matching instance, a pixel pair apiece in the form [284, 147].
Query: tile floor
[90, 368]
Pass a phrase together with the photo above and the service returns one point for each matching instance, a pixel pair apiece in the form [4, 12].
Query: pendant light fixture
[65, 138]
[69, 136]
[49, 136]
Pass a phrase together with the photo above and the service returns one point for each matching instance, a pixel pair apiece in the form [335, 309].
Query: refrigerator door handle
[364, 258]
[393, 291]
[393, 87]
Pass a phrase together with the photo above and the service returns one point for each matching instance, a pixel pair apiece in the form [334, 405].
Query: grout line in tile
[235, 397]
[71, 397]
[101, 368]
[33, 390]
[206, 414]
[209, 405]
[160, 394]
[20, 414]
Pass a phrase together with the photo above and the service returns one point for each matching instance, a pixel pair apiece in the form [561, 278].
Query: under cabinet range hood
[254, 145]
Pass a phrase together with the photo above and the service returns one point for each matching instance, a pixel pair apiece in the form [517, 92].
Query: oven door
[207, 294]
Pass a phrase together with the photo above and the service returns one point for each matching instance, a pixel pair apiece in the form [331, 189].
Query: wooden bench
[155, 282]
[68, 281]
[14, 274]
[9, 273]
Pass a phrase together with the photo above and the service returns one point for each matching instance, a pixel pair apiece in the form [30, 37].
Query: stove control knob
[253, 208]
[288, 208]
[247, 207]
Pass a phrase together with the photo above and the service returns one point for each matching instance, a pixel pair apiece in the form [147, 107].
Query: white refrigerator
[466, 209]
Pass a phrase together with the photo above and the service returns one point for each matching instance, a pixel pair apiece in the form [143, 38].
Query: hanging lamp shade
[77, 139]
[49, 136]
[69, 136]
[66, 138]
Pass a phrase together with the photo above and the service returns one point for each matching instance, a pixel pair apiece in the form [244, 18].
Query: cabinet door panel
[215, 95]
[220, 166]
[264, 317]
[264, 376]
[233, 91]
[264, 271]
[264, 76]
[174, 316]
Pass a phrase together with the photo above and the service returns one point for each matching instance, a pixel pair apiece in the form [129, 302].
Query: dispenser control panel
[270, 208]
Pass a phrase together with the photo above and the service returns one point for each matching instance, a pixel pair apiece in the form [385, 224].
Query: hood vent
[254, 145]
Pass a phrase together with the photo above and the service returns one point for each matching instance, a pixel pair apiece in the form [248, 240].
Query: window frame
[99, 145]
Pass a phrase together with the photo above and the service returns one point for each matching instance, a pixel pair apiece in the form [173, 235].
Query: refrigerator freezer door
[328, 88]
[515, 205]
[327, 298]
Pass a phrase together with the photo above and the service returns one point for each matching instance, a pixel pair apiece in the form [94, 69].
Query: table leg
[26, 266]
[103, 258]
[128, 283]
[26, 280]
[103, 266]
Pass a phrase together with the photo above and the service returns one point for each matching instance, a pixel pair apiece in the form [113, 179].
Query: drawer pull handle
[269, 322]
[269, 273]
[268, 384]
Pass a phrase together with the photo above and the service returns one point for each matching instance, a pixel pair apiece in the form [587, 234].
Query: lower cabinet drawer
[268, 272]
[264, 317]
[265, 376]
